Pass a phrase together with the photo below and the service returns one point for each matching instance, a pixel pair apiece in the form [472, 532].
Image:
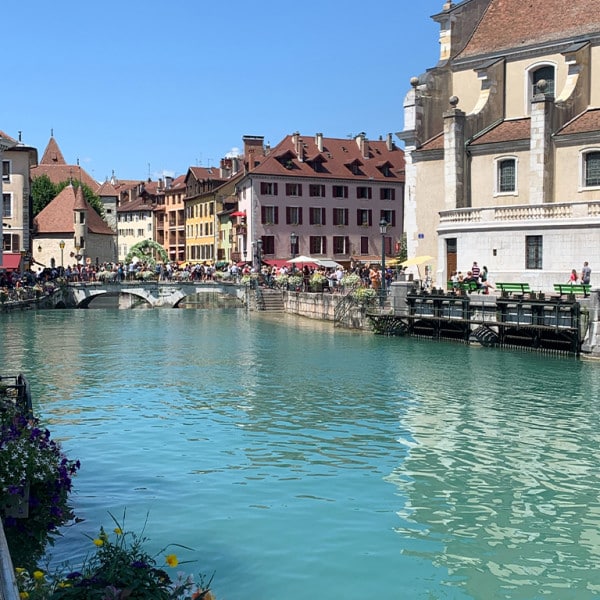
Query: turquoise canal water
[301, 461]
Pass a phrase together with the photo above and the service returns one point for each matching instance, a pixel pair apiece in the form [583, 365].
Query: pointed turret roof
[56, 168]
[106, 189]
[52, 154]
[57, 217]
[80, 203]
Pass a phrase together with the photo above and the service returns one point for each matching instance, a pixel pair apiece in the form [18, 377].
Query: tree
[43, 191]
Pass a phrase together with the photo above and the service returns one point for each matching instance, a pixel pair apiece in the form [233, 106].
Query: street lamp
[383, 227]
[62, 248]
[259, 244]
[293, 242]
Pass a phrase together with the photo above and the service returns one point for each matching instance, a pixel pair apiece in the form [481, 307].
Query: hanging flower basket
[17, 505]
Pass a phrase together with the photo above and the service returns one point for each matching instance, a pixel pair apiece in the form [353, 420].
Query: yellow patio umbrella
[416, 261]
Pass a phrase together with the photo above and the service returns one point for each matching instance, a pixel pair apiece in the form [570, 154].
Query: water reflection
[505, 481]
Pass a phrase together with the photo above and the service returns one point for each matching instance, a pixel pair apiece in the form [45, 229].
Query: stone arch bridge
[163, 294]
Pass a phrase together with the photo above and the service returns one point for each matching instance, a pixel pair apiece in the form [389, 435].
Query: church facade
[502, 142]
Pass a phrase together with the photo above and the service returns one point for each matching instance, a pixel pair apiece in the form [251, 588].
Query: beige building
[503, 141]
[69, 231]
[174, 218]
[15, 188]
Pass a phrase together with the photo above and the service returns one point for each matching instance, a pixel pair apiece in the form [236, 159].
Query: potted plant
[35, 480]
[317, 282]
[364, 296]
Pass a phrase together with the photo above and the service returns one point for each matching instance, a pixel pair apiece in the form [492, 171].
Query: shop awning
[11, 261]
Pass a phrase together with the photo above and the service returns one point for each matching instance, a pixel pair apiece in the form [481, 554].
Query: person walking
[586, 273]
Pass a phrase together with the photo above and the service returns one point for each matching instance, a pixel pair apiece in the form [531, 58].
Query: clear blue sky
[156, 87]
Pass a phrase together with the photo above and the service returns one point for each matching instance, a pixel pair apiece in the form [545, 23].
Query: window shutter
[263, 216]
[393, 218]
[370, 193]
[275, 190]
[299, 189]
[288, 215]
[276, 211]
[370, 218]
[324, 247]
[300, 216]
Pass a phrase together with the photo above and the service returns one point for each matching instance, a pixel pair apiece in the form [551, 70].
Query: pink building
[321, 197]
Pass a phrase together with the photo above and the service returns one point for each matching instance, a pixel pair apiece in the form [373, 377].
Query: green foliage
[351, 281]
[364, 296]
[118, 568]
[147, 251]
[43, 191]
[34, 471]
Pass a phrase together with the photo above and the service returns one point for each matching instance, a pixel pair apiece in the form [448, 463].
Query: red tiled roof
[513, 24]
[106, 189]
[506, 131]
[583, 123]
[338, 154]
[434, 143]
[205, 172]
[55, 167]
[10, 139]
[52, 154]
[57, 217]
[138, 204]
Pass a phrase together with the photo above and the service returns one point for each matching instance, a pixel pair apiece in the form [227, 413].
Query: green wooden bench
[465, 286]
[514, 288]
[570, 288]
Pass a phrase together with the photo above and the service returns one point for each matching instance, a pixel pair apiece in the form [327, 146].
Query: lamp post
[259, 244]
[61, 244]
[383, 227]
[293, 242]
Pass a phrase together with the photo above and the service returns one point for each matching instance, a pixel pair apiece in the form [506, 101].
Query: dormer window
[385, 169]
[355, 167]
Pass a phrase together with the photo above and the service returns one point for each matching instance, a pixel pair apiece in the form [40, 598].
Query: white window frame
[6, 178]
[497, 162]
[582, 170]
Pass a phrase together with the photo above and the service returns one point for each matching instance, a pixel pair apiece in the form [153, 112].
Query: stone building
[502, 141]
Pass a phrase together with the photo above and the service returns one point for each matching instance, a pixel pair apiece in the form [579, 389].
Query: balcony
[564, 214]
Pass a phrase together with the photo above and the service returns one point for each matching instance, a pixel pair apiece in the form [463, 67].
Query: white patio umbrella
[303, 259]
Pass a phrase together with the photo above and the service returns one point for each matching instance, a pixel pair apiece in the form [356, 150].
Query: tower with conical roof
[80, 210]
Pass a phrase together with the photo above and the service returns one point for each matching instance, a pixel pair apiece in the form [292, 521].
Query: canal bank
[548, 323]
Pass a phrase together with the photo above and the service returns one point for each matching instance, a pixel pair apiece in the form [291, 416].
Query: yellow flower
[38, 575]
[118, 531]
[99, 542]
[23, 595]
[19, 570]
[64, 584]
[172, 560]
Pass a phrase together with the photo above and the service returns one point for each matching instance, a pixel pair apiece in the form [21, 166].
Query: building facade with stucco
[502, 142]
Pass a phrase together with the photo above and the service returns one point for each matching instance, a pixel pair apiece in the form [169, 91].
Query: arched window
[547, 74]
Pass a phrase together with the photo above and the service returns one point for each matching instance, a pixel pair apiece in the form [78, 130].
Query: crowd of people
[477, 276]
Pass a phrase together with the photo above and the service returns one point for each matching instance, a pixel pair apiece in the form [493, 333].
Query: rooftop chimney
[319, 141]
